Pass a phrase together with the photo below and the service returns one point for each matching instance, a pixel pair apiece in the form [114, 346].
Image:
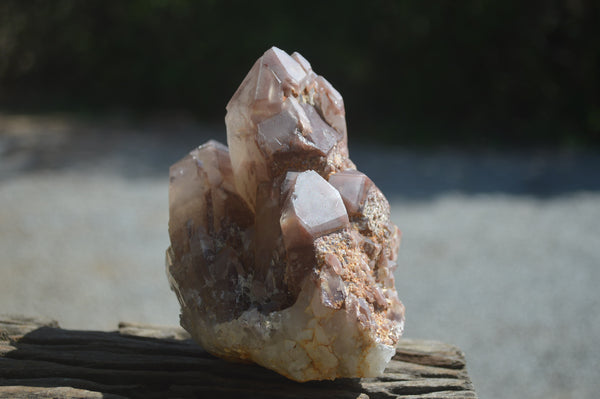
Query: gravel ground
[500, 250]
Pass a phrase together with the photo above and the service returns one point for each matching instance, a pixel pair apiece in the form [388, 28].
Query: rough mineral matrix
[282, 253]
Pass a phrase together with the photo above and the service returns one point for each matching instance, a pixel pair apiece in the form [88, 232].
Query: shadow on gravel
[147, 151]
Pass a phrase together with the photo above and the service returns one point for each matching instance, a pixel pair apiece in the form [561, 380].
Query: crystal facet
[312, 208]
[282, 253]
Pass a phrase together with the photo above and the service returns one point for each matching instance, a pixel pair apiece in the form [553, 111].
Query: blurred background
[480, 121]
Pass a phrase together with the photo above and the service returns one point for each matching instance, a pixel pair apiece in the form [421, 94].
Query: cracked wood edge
[40, 360]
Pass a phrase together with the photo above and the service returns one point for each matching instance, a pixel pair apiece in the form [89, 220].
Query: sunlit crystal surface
[282, 253]
[353, 186]
[312, 208]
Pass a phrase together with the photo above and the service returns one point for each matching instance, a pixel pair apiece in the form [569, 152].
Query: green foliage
[492, 72]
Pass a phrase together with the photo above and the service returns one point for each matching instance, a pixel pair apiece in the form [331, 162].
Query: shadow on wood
[39, 359]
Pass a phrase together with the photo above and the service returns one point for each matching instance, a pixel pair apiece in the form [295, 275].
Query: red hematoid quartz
[282, 253]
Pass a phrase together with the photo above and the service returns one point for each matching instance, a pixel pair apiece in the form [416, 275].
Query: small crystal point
[313, 208]
[353, 186]
[275, 124]
[281, 252]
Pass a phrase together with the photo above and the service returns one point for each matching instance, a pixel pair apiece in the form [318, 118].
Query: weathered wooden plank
[30, 392]
[143, 330]
[70, 382]
[38, 359]
[417, 387]
[112, 340]
[397, 367]
[19, 325]
[431, 353]
[97, 358]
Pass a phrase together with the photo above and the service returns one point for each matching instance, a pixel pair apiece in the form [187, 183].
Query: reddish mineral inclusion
[282, 253]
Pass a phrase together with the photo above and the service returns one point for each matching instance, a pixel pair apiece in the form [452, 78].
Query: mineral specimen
[282, 253]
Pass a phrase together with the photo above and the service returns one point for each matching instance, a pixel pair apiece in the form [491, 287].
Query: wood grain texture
[40, 360]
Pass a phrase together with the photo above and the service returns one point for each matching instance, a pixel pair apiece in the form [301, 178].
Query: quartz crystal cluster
[282, 253]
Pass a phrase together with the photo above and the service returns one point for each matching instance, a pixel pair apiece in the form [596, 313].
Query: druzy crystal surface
[282, 253]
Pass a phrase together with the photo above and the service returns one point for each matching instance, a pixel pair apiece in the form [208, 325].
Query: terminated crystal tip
[282, 253]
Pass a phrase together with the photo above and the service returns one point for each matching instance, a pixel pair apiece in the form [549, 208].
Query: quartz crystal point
[282, 253]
